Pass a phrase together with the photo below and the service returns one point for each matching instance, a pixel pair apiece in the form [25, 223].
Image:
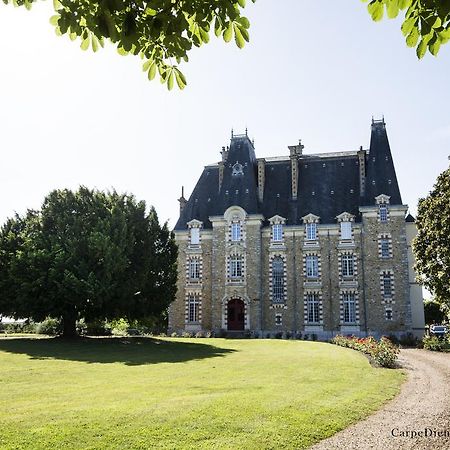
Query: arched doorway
[235, 315]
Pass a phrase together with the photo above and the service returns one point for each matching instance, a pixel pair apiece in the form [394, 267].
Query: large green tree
[162, 32]
[432, 243]
[86, 254]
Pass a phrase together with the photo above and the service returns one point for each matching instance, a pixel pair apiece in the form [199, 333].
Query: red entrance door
[236, 315]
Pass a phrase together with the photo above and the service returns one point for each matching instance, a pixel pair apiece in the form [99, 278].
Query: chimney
[296, 152]
[362, 171]
[261, 178]
[182, 200]
[224, 154]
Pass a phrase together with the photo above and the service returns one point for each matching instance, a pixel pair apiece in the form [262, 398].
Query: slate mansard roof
[328, 183]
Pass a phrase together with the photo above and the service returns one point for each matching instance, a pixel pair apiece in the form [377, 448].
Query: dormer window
[277, 224]
[310, 222]
[311, 231]
[195, 236]
[236, 231]
[194, 232]
[277, 232]
[345, 220]
[346, 230]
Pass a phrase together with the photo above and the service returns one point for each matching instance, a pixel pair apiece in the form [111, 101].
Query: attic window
[238, 169]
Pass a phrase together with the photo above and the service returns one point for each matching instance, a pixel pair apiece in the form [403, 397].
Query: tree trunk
[69, 327]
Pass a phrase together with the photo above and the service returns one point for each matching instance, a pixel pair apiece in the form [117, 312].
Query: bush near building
[384, 352]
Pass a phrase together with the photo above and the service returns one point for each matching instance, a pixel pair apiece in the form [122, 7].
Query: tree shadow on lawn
[130, 351]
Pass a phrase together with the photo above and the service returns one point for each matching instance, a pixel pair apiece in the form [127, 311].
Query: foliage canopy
[432, 243]
[426, 24]
[162, 32]
[86, 254]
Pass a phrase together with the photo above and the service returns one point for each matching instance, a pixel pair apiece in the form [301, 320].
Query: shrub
[435, 344]
[119, 327]
[98, 328]
[306, 337]
[314, 337]
[384, 352]
[49, 326]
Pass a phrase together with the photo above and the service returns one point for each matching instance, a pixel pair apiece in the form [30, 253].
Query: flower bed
[384, 352]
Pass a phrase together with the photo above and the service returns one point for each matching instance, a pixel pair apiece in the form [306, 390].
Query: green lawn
[182, 393]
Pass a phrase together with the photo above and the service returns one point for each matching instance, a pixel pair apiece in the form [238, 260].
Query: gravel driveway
[422, 407]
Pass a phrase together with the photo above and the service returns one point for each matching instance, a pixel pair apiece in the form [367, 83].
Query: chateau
[307, 243]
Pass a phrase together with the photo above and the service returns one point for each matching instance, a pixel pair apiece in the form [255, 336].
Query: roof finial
[246, 131]
[232, 133]
[182, 191]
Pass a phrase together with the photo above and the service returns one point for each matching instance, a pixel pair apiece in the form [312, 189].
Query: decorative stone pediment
[382, 199]
[345, 217]
[194, 223]
[310, 218]
[277, 220]
[235, 214]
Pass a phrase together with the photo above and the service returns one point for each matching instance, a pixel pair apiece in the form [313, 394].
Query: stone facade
[252, 263]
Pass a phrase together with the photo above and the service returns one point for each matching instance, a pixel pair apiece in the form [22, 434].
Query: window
[235, 231]
[278, 319]
[195, 236]
[347, 262]
[193, 308]
[277, 232]
[278, 280]
[236, 267]
[388, 314]
[311, 231]
[346, 230]
[384, 248]
[194, 269]
[383, 213]
[312, 266]
[387, 285]
[348, 299]
[312, 302]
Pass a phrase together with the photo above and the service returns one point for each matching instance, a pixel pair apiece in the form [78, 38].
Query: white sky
[316, 70]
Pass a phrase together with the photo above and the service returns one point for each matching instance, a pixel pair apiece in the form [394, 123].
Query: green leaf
[422, 48]
[181, 80]
[152, 71]
[218, 26]
[147, 65]
[376, 10]
[94, 43]
[408, 25]
[121, 51]
[413, 37]
[204, 35]
[403, 4]
[434, 47]
[228, 33]
[54, 19]
[241, 3]
[244, 22]
[170, 80]
[392, 9]
[240, 42]
[85, 44]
